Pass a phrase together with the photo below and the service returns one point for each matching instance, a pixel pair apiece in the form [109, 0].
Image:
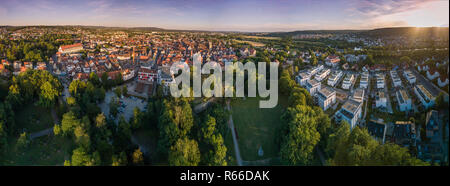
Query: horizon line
[200, 30]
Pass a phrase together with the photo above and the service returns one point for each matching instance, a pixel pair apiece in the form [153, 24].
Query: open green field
[45, 150]
[33, 118]
[257, 127]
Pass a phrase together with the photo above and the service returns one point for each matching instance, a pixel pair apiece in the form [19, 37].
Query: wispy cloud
[374, 8]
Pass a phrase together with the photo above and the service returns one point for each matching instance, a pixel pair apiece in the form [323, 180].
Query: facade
[380, 100]
[322, 74]
[409, 76]
[312, 86]
[377, 128]
[425, 97]
[350, 112]
[432, 123]
[404, 102]
[396, 81]
[404, 133]
[380, 81]
[334, 78]
[347, 83]
[326, 97]
[358, 95]
[147, 75]
[302, 78]
[64, 49]
[364, 81]
[332, 60]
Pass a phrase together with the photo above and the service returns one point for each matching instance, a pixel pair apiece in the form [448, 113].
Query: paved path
[41, 133]
[236, 145]
[204, 105]
[47, 131]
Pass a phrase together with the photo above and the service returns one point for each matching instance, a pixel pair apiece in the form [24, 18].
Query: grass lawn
[45, 150]
[257, 127]
[33, 118]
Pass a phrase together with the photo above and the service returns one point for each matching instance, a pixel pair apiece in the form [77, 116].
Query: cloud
[375, 8]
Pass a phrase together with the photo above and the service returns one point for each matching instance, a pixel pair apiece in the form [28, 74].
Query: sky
[229, 15]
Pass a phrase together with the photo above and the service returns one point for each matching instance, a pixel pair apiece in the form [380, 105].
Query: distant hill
[379, 32]
[409, 32]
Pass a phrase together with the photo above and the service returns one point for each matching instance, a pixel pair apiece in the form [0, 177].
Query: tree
[118, 92]
[175, 122]
[286, 83]
[23, 141]
[184, 152]
[71, 101]
[138, 158]
[69, 122]
[119, 160]
[80, 157]
[57, 130]
[302, 136]
[136, 121]
[48, 95]
[125, 90]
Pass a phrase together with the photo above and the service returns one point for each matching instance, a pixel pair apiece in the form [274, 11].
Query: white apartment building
[404, 102]
[396, 81]
[364, 81]
[326, 97]
[409, 76]
[380, 81]
[322, 74]
[334, 78]
[312, 86]
[350, 111]
[301, 78]
[358, 95]
[380, 100]
[347, 83]
[424, 96]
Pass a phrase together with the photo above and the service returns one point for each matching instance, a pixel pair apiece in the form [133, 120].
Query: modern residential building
[358, 95]
[396, 81]
[380, 80]
[404, 133]
[377, 128]
[312, 86]
[334, 78]
[322, 74]
[350, 112]
[425, 97]
[301, 78]
[432, 123]
[380, 100]
[404, 102]
[410, 77]
[364, 81]
[347, 83]
[326, 97]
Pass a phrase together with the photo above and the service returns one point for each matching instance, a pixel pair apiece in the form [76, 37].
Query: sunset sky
[229, 15]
